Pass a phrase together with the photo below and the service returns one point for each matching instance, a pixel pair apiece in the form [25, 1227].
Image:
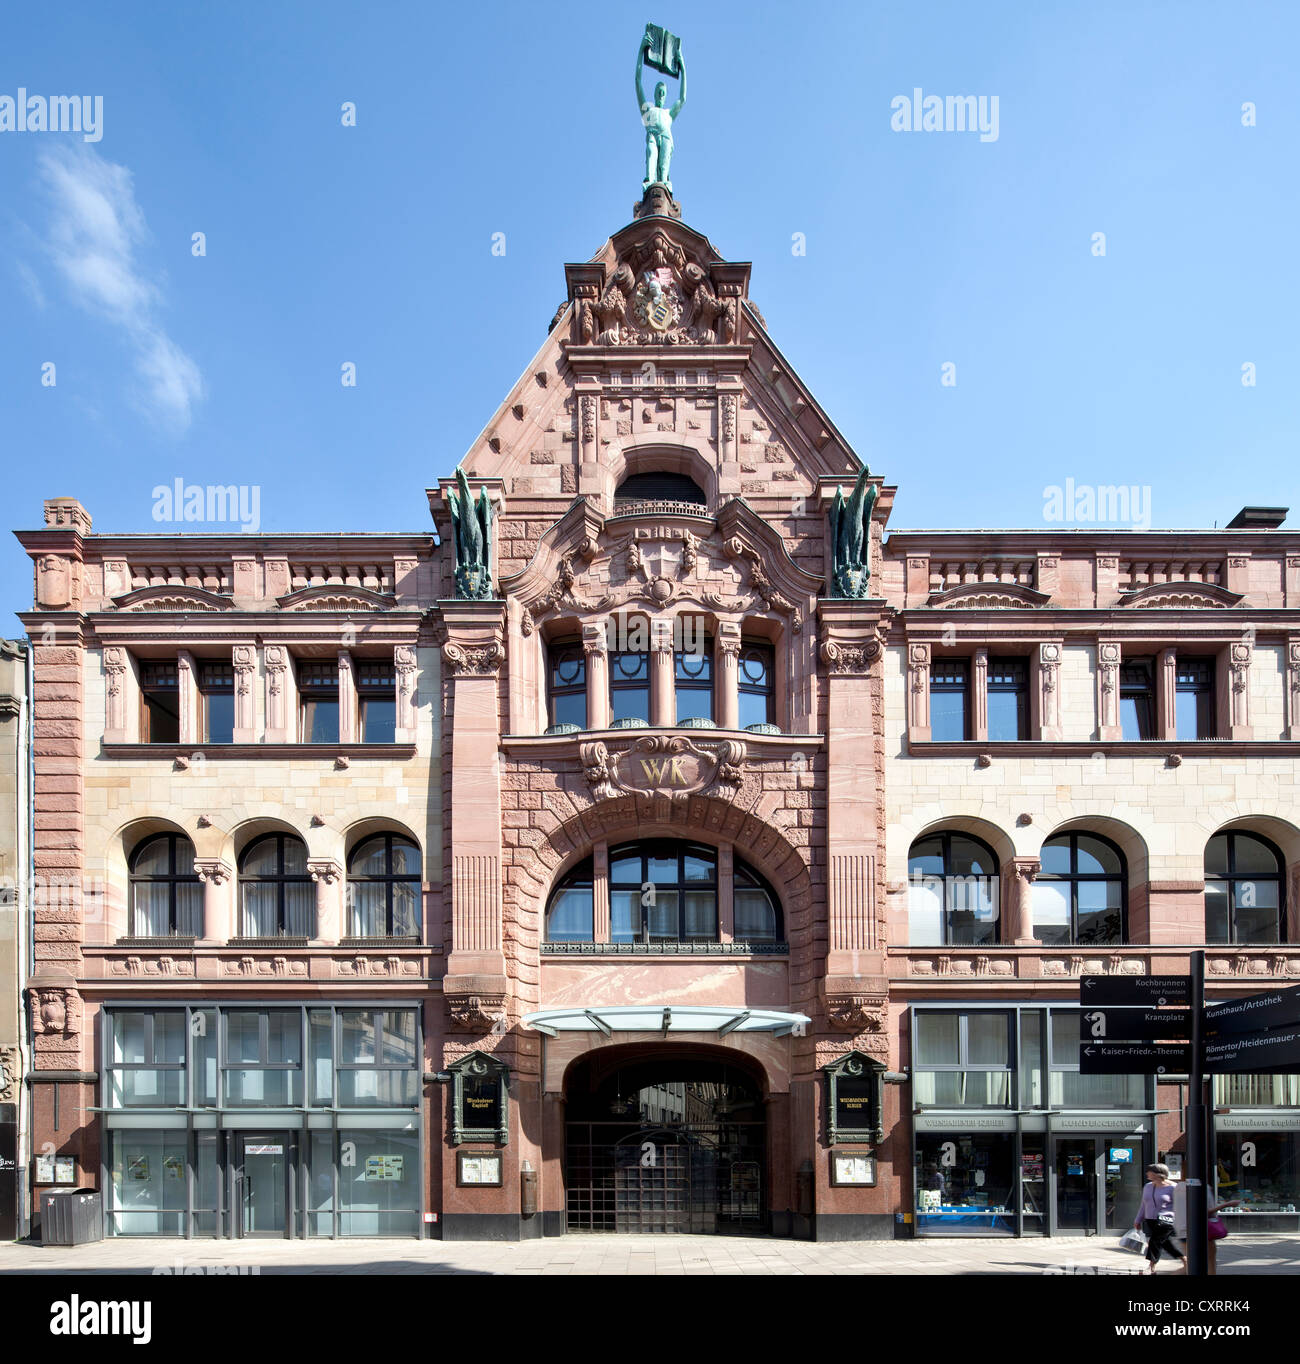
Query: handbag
[1217, 1229]
[1133, 1240]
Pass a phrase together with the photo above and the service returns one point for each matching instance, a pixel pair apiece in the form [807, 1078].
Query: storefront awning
[665, 1019]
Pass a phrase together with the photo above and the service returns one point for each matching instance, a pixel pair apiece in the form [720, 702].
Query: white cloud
[95, 227]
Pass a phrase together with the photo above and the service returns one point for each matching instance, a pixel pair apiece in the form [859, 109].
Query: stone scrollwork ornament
[472, 526]
[851, 538]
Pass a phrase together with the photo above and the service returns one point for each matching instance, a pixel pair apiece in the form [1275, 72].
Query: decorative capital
[213, 869]
[480, 1013]
[854, 1012]
[324, 870]
[1026, 868]
[849, 658]
[475, 660]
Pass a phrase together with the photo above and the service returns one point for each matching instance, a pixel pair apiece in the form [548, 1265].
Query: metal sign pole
[1198, 1230]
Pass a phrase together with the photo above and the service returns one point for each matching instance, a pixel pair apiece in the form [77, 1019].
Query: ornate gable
[1180, 595]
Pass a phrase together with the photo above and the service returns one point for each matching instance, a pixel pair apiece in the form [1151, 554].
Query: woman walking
[1156, 1217]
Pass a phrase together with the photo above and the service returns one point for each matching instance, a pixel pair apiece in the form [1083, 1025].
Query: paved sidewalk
[621, 1255]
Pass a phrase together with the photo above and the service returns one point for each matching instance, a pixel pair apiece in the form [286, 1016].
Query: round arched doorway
[664, 1141]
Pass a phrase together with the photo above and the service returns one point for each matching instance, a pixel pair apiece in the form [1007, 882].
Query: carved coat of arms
[658, 300]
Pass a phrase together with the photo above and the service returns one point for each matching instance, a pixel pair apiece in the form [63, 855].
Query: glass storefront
[253, 1120]
[1009, 1138]
[1257, 1147]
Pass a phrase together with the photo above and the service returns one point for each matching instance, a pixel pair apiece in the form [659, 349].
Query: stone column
[1240, 658]
[1048, 691]
[243, 659]
[980, 694]
[348, 718]
[601, 930]
[727, 683]
[1293, 692]
[918, 693]
[219, 909]
[281, 697]
[1109, 659]
[1167, 694]
[663, 698]
[597, 657]
[328, 876]
[851, 652]
[187, 697]
[472, 657]
[404, 667]
[122, 697]
[726, 893]
[1019, 929]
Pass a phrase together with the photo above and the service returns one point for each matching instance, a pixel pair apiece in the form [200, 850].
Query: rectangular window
[1137, 698]
[1068, 1089]
[693, 681]
[566, 683]
[756, 679]
[160, 704]
[147, 1060]
[1008, 698]
[263, 1060]
[629, 686]
[318, 693]
[378, 1057]
[1194, 698]
[216, 701]
[377, 701]
[963, 1060]
[950, 700]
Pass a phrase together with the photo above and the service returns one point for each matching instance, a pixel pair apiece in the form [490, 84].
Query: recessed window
[160, 703]
[1244, 896]
[376, 701]
[1194, 698]
[1137, 698]
[384, 888]
[657, 487]
[318, 698]
[1079, 895]
[950, 699]
[1008, 698]
[952, 891]
[566, 683]
[216, 701]
[277, 897]
[166, 895]
[570, 914]
[756, 680]
[693, 680]
[629, 686]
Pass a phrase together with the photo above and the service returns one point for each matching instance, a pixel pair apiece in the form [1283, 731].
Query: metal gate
[703, 1178]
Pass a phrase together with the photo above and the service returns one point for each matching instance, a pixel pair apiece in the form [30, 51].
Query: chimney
[1258, 518]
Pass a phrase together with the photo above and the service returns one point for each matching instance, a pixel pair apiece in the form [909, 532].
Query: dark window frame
[1137, 683]
[318, 684]
[766, 690]
[945, 836]
[215, 677]
[566, 650]
[376, 680]
[1074, 878]
[619, 682]
[698, 684]
[1194, 675]
[159, 678]
[172, 880]
[1009, 676]
[280, 880]
[951, 677]
[1232, 878]
[388, 879]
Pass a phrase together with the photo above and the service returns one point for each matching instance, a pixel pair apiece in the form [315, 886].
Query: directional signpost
[1161, 1025]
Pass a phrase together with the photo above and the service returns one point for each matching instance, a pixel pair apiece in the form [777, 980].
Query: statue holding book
[661, 51]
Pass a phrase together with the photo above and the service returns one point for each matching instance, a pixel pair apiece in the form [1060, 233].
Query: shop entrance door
[1096, 1184]
[261, 1202]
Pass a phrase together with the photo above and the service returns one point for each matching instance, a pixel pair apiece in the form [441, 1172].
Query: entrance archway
[662, 1140]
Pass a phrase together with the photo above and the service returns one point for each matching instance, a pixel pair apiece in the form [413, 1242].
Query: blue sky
[373, 244]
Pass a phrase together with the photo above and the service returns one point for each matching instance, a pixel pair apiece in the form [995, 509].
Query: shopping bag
[1133, 1240]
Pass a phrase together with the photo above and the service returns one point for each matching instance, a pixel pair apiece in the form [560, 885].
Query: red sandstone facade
[660, 469]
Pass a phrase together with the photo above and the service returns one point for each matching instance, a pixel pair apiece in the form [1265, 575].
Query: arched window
[166, 895]
[277, 897]
[655, 486]
[1079, 896]
[570, 917]
[952, 891]
[662, 892]
[384, 888]
[1243, 890]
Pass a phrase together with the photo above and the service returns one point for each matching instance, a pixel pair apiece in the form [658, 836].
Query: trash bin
[71, 1217]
